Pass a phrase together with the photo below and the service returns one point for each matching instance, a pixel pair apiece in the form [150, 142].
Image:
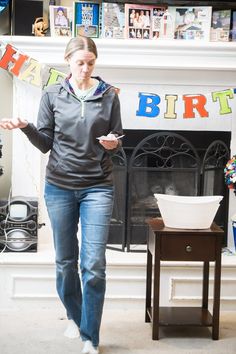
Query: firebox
[181, 163]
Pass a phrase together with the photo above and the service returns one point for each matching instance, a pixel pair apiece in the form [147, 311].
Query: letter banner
[158, 107]
[27, 69]
[178, 107]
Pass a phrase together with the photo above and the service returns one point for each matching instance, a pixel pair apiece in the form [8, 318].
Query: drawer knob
[188, 248]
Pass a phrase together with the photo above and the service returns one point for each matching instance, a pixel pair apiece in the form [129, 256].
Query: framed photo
[86, 18]
[220, 25]
[5, 17]
[191, 23]
[232, 35]
[60, 20]
[24, 15]
[142, 20]
[159, 30]
[113, 20]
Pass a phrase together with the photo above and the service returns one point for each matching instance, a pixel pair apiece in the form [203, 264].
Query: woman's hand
[13, 123]
[110, 144]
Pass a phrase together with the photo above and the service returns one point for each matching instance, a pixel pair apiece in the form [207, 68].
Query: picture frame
[87, 18]
[23, 16]
[60, 20]
[191, 23]
[232, 34]
[220, 25]
[113, 20]
[140, 21]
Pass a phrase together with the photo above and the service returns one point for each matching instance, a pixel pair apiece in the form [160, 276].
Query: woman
[72, 116]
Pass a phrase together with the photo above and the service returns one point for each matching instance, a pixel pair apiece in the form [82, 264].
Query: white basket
[188, 212]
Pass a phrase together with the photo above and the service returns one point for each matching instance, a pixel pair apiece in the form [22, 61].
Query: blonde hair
[80, 43]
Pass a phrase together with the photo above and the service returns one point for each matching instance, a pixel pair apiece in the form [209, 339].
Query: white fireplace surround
[30, 277]
[126, 64]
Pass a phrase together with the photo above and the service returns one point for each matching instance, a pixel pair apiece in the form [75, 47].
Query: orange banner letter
[8, 57]
[195, 102]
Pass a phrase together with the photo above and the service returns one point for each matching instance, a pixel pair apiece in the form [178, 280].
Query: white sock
[72, 330]
[89, 348]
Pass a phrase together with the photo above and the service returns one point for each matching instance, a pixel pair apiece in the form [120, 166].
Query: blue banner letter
[148, 105]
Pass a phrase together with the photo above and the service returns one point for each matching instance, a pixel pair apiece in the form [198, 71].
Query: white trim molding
[126, 53]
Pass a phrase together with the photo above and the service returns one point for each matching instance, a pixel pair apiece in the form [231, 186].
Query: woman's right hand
[13, 123]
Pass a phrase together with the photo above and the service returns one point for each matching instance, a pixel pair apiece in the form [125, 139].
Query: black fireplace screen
[117, 234]
[213, 165]
[162, 162]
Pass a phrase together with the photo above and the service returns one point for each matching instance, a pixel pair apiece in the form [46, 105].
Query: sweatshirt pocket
[81, 169]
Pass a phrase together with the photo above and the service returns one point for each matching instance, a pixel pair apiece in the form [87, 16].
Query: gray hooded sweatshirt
[68, 128]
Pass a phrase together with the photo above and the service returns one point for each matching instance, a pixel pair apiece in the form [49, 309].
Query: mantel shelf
[126, 53]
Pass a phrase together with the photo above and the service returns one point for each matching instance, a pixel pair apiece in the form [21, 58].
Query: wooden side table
[169, 244]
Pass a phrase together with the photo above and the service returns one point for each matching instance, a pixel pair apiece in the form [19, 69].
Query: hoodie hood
[101, 89]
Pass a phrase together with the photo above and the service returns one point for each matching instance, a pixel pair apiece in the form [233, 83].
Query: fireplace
[157, 70]
[181, 163]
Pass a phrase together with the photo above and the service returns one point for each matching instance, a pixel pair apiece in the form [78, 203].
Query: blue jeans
[93, 206]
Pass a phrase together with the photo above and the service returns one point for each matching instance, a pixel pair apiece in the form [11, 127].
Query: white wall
[28, 164]
[5, 136]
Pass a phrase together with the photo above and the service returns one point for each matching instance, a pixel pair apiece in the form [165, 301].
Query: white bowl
[184, 212]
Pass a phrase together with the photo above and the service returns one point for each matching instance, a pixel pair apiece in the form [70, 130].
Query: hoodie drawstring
[82, 108]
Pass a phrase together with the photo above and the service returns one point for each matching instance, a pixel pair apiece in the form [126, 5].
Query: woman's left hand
[110, 144]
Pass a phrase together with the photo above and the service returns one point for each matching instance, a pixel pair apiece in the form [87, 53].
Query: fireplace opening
[172, 162]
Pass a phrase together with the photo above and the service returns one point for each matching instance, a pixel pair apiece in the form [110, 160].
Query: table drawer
[188, 248]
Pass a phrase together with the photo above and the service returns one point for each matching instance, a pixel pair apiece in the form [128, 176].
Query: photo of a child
[60, 21]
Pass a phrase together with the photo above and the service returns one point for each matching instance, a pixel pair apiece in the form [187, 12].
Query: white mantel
[136, 54]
